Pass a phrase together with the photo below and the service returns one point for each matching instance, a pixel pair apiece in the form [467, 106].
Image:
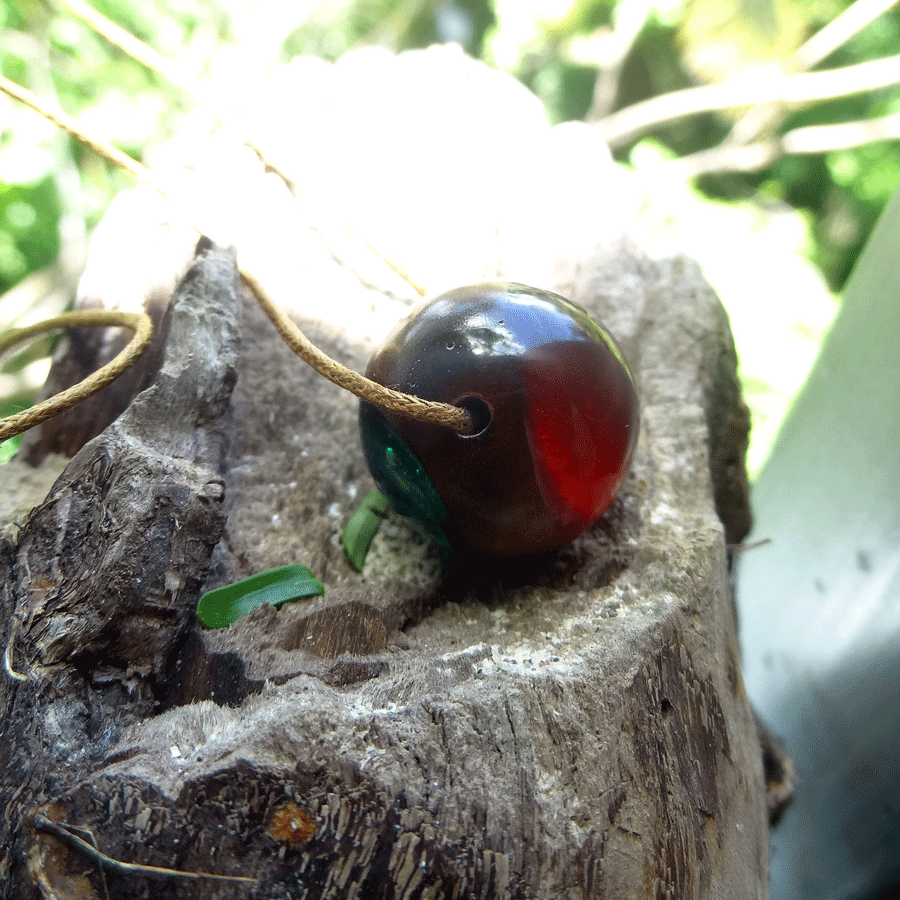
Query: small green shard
[224, 605]
[363, 526]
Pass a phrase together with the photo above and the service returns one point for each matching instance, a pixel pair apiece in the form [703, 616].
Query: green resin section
[400, 476]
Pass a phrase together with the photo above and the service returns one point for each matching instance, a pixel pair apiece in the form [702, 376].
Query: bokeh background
[808, 214]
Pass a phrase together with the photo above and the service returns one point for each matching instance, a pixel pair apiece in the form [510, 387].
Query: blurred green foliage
[571, 53]
[844, 190]
[542, 42]
[28, 235]
[681, 42]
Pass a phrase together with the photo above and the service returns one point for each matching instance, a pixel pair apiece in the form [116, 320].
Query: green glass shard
[363, 526]
[224, 605]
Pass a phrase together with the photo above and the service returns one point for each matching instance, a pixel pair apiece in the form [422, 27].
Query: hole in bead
[480, 412]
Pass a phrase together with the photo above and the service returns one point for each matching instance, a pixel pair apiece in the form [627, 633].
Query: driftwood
[571, 726]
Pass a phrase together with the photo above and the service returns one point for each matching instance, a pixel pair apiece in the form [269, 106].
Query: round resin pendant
[555, 413]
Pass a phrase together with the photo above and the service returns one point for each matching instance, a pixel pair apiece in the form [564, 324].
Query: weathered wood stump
[570, 726]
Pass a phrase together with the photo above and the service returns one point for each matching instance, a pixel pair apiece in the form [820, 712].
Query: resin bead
[554, 406]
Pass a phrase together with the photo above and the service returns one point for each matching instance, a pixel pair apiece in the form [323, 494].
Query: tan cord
[454, 417]
[155, 62]
[69, 125]
[396, 401]
[139, 323]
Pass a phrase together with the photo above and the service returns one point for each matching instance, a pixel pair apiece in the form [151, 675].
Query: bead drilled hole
[480, 412]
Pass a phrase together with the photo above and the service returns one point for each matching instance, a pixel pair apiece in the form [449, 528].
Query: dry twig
[64, 832]
[750, 90]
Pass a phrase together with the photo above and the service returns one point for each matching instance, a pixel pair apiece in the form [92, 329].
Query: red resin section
[568, 456]
[578, 426]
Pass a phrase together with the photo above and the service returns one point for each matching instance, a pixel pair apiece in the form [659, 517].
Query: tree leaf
[224, 605]
[363, 526]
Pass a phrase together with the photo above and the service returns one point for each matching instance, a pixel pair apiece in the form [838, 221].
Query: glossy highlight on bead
[554, 410]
